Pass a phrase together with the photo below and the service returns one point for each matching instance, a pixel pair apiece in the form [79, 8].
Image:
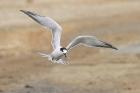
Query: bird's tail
[46, 55]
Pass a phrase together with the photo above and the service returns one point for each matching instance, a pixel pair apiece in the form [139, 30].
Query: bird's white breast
[57, 54]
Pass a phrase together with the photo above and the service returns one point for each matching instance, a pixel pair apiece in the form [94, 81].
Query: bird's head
[64, 51]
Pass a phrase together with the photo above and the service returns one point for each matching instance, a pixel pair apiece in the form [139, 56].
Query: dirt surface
[91, 70]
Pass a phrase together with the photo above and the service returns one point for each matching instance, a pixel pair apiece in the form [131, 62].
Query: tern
[59, 51]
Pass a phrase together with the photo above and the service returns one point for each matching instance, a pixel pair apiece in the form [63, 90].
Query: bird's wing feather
[89, 41]
[47, 23]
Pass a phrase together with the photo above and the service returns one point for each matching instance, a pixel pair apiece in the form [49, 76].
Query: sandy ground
[92, 70]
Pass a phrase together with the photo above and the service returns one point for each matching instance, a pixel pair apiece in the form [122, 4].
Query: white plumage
[58, 52]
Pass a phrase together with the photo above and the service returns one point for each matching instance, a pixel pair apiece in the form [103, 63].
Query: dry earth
[92, 70]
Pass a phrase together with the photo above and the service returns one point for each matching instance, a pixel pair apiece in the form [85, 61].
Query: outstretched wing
[47, 23]
[89, 41]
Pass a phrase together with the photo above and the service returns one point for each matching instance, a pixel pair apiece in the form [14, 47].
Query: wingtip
[114, 48]
[109, 45]
[24, 11]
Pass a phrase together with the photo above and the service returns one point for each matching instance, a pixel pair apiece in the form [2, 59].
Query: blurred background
[92, 70]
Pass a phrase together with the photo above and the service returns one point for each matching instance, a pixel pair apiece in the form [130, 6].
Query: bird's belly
[56, 55]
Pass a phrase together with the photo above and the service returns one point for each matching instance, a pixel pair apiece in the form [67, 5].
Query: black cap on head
[63, 48]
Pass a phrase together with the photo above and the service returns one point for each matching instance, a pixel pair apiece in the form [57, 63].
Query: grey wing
[89, 41]
[47, 23]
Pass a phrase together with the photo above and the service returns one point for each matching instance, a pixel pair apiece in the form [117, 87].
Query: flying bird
[59, 51]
